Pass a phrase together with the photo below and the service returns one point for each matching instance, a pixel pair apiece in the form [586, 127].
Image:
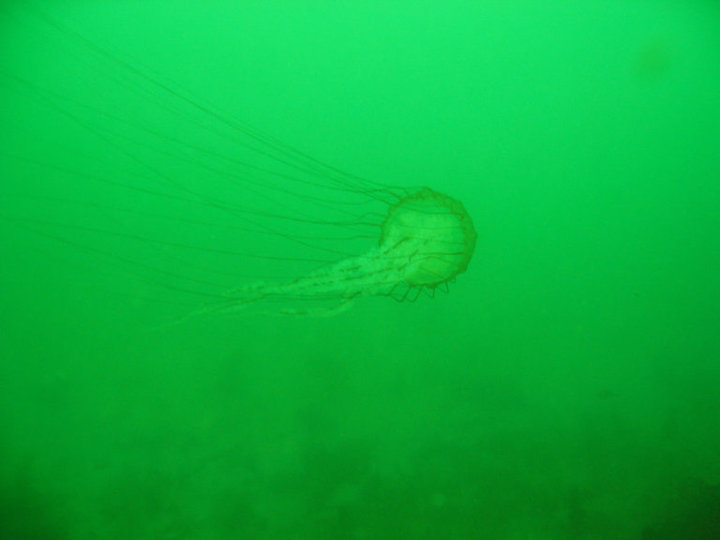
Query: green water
[565, 387]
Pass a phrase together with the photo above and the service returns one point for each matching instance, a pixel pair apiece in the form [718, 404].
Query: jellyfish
[149, 184]
[426, 240]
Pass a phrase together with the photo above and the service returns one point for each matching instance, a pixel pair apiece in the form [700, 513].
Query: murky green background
[565, 388]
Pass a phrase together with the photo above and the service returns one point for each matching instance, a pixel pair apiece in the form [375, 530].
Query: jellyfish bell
[164, 189]
[433, 234]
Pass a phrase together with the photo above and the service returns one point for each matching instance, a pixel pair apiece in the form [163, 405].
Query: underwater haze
[360, 270]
